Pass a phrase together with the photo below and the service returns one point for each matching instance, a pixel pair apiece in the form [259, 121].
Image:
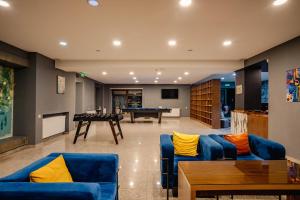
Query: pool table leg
[159, 117]
[132, 117]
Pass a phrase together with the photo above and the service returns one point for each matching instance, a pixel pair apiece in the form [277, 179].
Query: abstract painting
[61, 84]
[6, 101]
[293, 85]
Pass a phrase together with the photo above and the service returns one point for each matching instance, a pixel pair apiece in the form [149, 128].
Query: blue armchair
[261, 149]
[208, 149]
[95, 177]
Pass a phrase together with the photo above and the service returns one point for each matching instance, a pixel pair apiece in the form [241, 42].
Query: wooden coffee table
[213, 178]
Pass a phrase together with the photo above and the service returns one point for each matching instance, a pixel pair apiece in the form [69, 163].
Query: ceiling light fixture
[186, 73]
[227, 43]
[156, 78]
[131, 73]
[134, 78]
[63, 43]
[172, 43]
[279, 2]
[117, 43]
[158, 73]
[185, 3]
[4, 4]
[175, 81]
[156, 81]
[179, 78]
[136, 81]
[234, 74]
[93, 3]
[104, 73]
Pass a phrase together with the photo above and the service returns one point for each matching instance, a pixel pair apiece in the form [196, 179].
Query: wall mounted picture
[293, 85]
[6, 101]
[61, 84]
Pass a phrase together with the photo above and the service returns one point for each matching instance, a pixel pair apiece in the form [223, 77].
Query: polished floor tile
[139, 153]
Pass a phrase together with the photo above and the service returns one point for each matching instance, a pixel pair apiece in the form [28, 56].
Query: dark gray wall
[240, 98]
[88, 93]
[47, 99]
[284, 117]
[25, 101]
[152, 97]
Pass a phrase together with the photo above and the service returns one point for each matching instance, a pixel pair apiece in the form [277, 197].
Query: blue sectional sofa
[261, 149]
[95, 177]
[208, 149]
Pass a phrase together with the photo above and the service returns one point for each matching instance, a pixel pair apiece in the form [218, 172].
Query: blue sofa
[208, 149]
[261, 149]
[95, 177]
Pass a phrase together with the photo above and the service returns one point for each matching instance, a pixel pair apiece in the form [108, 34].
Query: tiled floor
[139, 153]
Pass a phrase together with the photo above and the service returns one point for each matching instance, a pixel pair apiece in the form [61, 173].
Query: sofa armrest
[167, 158]
[86, 167]
[266, 149]
[230, 151]
[49, 191]
[210, 149]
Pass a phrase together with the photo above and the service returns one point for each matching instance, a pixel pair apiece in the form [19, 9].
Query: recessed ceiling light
[156, 78]
[156, 81]
[172, 43]
[134, 78]
[104, 73]
[279, 2]
[4, 4]
[222, 78]
[117, 43]
[179, 78]
[227, 43]
[131, 73]
[186, 73]
[158, 73]
[93, 3]
[63, 43]
[136, 81]
[175, 81]
[185, 3]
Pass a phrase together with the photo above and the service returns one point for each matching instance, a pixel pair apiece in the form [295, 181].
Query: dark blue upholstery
[208, 149]
[230, 151]
[95, 177]
[261, 149]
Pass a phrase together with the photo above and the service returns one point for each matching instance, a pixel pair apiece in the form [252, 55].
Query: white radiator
[175, 112]
[54, 125]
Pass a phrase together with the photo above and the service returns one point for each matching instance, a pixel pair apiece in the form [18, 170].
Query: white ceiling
[145, 71]
[145, 26]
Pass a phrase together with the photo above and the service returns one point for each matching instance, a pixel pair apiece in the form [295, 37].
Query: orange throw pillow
[240, 141]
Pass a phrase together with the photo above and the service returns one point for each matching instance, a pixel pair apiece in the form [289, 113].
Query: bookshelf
[206, 103]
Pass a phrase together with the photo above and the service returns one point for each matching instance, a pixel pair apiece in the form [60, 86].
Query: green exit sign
[82, 74]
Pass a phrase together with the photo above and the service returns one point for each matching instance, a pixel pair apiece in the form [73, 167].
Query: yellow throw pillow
[54, 171]
[184, 144]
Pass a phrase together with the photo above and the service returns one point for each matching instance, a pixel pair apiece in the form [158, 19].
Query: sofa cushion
[55, 171]
[184, 144]
[108, 190]
[250, 156]
[240, 141]
[178, 158]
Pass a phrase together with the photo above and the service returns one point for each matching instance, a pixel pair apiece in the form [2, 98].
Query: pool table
[146, 112]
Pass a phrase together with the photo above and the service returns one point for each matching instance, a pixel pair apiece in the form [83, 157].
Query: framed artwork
[293, 85]
[61, 84]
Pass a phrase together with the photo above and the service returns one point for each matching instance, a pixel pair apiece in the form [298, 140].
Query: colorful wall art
[293, 85]
[6, 101]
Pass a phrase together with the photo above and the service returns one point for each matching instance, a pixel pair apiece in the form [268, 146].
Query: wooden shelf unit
[206, 103]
